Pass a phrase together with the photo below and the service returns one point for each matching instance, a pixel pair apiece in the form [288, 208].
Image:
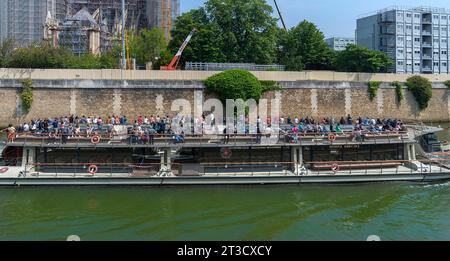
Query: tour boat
[122, 159]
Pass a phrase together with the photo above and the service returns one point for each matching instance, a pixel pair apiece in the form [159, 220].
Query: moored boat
[165, 160]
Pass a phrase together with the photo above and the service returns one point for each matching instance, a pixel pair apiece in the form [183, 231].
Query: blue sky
[333, 17]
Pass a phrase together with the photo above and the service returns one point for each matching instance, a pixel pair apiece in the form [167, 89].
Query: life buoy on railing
[95, 139]
[335, 167]
[225, 153]
[92, 169]
[4, 170]
[332, 137]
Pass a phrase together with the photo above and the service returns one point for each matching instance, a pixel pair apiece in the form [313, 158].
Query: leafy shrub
[235, 84]
[447, 83]
[421, 88]
[373, 89]
[268, 86]
[398, 91]
[27, 94]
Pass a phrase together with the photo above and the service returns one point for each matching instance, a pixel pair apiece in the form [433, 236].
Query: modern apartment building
[417, 39]
[339, 43]
[23, 19]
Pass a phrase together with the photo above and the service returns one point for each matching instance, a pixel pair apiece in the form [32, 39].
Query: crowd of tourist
[143, 128]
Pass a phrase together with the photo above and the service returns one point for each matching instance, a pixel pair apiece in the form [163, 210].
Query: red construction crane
[176, 59]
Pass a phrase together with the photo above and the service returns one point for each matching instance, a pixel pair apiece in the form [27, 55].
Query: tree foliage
[44, 56]
[148, 46]
[304, 47]
[6, 49]
[421, 88]
[360, 59]
[234, 84]
[228, 31]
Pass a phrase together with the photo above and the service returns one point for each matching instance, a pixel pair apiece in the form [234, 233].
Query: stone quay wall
[132, 93]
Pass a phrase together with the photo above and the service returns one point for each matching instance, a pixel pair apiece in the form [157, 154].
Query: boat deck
[199, 141]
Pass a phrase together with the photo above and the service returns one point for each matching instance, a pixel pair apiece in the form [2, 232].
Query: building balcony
[426, 45]
[426, 57]
[428, 33]
[426, 21]
[426, 69]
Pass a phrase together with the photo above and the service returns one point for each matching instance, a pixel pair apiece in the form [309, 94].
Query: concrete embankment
[104, 92]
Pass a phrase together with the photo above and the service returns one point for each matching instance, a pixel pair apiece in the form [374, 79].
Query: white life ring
[92, 169]
[335, 167]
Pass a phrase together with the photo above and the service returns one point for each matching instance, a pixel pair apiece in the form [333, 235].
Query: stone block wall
[318, 99]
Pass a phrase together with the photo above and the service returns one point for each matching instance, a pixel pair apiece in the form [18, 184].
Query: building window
[417, 15]
[444, 17]
[416, 52]
[399, 27]
[435, 64]
[436, 52]
[436, 40]
[444, 52]
[436, 28]
[416, 63]
[417, 27]
[436, 17]
[400, 63]
[408, 27]
[408, 15]
[444, 41]
[444, 64]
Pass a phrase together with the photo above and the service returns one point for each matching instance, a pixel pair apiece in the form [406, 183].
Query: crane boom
[176, 59]
[279, 13]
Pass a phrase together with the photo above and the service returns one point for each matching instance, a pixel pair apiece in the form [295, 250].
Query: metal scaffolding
[24, 19]
[162, 14]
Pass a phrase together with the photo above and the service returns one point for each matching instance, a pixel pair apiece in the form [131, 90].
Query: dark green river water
[393, 211]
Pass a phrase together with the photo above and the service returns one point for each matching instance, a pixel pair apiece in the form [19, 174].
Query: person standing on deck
[11, 132]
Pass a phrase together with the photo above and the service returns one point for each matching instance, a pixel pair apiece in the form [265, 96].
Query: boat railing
[161, 140]
[105, 170]
[393, 167]
[236, 169]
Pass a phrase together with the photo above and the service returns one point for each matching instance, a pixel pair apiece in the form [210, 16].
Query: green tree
[147, 45]
[228, 31]
[6, 49]
[41, 56]
[360, 59]
[304, 47]
[422, 90]
[205, 45]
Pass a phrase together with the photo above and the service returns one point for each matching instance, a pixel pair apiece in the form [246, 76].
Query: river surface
[392, 211]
